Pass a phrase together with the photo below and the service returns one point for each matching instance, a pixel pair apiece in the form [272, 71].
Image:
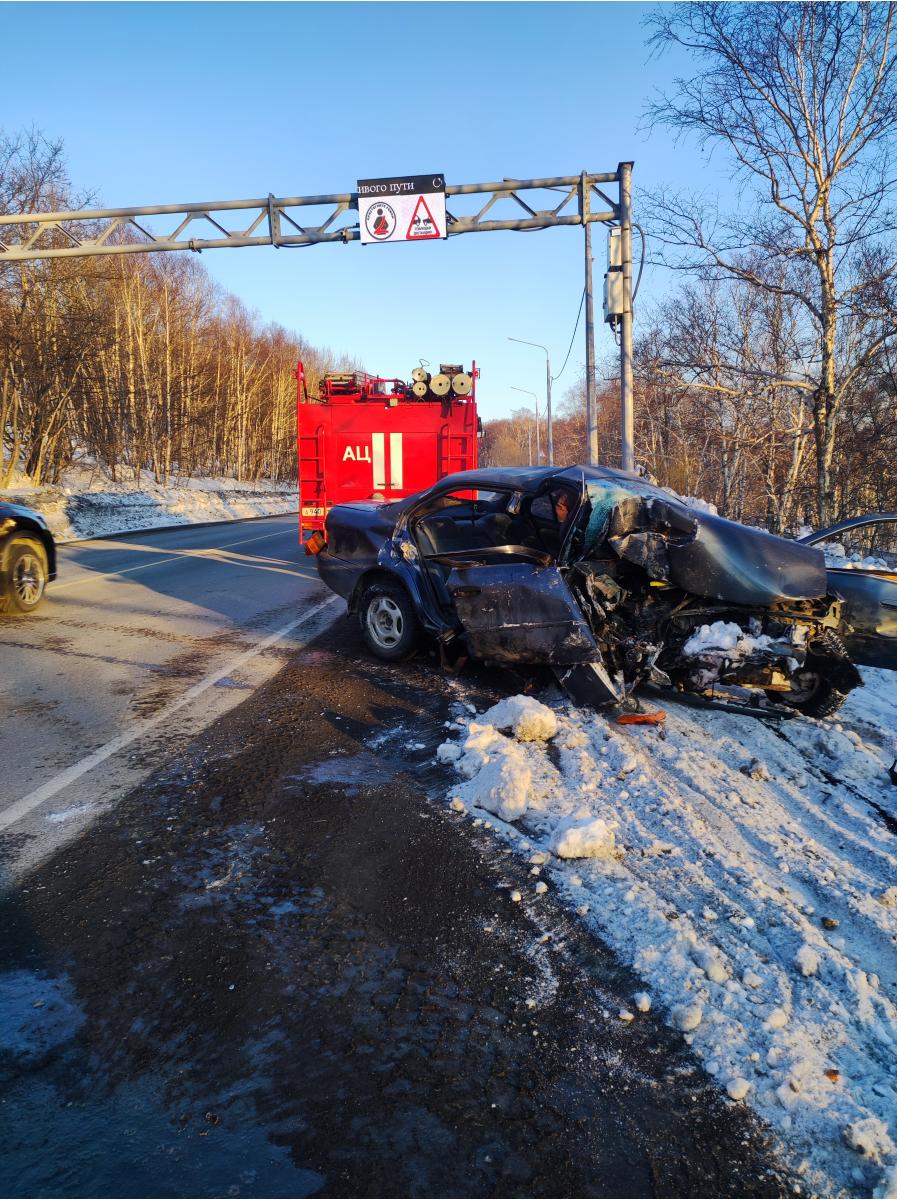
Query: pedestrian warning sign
[422, 223]
[406, 209]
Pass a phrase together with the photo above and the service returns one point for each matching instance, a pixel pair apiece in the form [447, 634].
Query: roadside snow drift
[86, 506]
[748, 871]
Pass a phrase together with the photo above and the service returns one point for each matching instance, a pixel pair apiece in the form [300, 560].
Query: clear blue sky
[169, 103]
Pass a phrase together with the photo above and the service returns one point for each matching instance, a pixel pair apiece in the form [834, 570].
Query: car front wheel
[821, 688]
[25, 575]
[389, 624]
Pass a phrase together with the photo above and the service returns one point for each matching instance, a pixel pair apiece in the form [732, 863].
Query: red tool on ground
[642, 718]
[364, 437]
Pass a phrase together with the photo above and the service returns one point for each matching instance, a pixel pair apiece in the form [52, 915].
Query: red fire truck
[364, 437]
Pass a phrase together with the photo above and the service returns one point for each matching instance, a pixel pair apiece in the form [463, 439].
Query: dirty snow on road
[747, 870]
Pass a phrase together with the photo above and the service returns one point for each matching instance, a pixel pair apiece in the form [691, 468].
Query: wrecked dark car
[610, 581]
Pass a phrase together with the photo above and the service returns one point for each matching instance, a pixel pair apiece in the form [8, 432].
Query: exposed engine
[650, 631]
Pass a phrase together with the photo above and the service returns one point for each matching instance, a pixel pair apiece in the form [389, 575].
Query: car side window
[468, 520]
[867, 547]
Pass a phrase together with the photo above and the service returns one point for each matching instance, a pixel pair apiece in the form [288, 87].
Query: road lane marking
[21, 808]
[97, 578]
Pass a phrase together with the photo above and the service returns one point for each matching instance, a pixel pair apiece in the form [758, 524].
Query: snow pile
[746, 870]
[502, 779]
[526, 718]
[724, 636]
[85, 506]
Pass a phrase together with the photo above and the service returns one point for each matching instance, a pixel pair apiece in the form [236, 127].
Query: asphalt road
[142, 641]
[281, 966]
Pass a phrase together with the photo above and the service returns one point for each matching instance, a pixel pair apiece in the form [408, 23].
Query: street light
[539, 346]
[527, 392]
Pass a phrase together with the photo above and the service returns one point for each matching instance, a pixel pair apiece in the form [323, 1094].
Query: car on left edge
[27, 558]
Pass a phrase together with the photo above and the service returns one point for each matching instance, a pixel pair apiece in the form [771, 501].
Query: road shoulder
[288, 935]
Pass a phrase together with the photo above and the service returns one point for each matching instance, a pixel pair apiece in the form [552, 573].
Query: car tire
[823, 697]
[25, 575]
[389, 623]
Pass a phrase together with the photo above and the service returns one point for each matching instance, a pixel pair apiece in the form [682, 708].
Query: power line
[573, 338]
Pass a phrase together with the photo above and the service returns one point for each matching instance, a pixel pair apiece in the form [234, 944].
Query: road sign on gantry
[406, 209]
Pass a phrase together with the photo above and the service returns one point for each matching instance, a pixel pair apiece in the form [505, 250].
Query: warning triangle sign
[422, 224]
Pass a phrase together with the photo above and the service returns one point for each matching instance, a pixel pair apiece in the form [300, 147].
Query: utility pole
[624, 172]
[591, 403]
[547, 393]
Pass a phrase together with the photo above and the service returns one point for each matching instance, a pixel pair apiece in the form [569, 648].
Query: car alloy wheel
[385, 622]
[27, 575]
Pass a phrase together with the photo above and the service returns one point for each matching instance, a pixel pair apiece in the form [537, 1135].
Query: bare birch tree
[804, 98]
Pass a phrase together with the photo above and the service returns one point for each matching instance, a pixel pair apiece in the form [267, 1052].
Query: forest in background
[139, 362]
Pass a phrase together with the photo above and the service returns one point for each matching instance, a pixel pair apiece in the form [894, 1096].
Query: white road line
[21, 808]
[57, 587]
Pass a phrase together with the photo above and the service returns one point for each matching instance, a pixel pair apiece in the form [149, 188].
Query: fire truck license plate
[313, 512]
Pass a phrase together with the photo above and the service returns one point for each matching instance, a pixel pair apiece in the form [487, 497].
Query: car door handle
[467, 591]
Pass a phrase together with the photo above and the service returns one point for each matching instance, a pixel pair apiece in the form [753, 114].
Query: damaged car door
[519, 611]
[503, 581]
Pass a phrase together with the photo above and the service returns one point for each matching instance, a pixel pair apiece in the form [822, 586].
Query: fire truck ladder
[311, 471]
[453, 450]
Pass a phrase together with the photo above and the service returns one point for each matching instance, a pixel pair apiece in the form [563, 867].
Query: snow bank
[746, 870]
[86, 506]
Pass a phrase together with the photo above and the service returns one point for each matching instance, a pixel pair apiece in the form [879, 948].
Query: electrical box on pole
[614, 291]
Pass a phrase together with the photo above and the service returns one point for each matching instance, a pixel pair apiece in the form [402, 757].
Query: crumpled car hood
[699, 552]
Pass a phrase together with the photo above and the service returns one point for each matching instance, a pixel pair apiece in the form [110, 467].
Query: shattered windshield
[603, 499]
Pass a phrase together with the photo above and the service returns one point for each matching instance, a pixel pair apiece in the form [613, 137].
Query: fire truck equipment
[366, 438]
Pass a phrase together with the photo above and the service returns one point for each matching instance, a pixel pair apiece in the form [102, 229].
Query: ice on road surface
[747, 870]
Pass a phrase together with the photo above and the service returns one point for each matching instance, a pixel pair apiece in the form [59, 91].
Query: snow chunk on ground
[738, 1088]
[806, 960]
[870, 1137]
[497, 767]
[686, 1016]
[528, 719]
[583, 837]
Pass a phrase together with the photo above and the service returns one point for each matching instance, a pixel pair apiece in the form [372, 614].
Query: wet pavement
[283, 968]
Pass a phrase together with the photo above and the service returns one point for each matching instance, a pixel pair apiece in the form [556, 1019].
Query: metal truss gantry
[291, 221]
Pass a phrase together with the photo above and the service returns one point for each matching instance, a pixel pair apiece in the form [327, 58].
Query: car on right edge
[861, 562]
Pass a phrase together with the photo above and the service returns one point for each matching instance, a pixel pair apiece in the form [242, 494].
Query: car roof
[531, 479]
